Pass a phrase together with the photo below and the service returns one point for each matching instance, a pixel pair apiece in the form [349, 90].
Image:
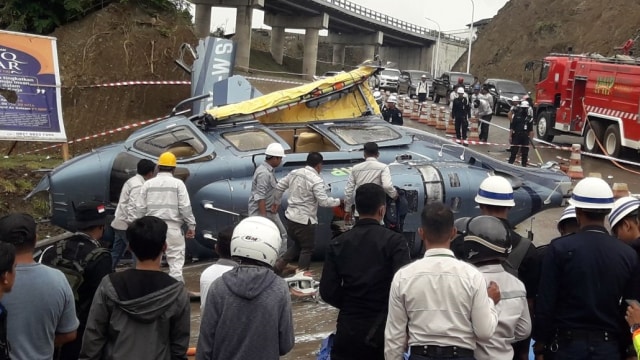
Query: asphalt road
[314, 321]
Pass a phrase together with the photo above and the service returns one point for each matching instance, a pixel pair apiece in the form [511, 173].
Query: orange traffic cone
[473, 130]
[451, 125]
[406, 110]
[620, 190]
[424, 114]
[441, 124]
[433, 115]
[575, 163]
[415, 112]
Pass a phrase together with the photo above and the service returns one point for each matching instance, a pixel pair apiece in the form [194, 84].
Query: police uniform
[460, 112]
[394, 116]
[521, 127]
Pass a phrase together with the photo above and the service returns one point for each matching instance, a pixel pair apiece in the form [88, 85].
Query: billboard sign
[30, 103]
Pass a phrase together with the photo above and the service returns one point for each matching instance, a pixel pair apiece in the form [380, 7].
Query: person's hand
[494, 292]
[190, 234]
[274, 208]
[347, 217]
[538, 350]
[633, 314]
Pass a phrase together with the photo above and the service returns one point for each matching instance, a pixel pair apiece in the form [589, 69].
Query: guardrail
[393, 22]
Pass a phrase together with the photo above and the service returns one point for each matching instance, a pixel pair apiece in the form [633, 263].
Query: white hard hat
[515, 98]
[423, 76]
[568, 213]
[495, 190]
[622, 208]
[592, 193]
[524, 104]
[392, 99]
[460, 90]
[275, 149]
[256, 238]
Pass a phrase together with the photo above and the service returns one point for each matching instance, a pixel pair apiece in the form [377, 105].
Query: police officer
[624, 223]
[487, 243]
[391, 113]
[521, 131]
[263, 188]
[495, 198]
[422, 89]
[584, 276]
[460, 113]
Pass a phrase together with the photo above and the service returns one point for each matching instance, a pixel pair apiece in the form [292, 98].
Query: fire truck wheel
[543, 126]
[594, 131]
[612, 143]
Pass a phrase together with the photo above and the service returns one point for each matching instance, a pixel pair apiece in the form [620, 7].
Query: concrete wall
[448, 56]
[408, 58]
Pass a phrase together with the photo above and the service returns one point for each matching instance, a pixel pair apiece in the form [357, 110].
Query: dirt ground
[525, 30]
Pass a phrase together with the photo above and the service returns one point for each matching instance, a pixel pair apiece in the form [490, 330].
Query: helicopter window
[354, 135]
[249, 140]
[181, 141]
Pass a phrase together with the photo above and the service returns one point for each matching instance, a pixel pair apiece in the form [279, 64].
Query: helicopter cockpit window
[181, 141]
[355, 135]
[249, 140]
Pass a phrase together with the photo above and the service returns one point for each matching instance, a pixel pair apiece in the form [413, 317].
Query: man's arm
[523, 326]
[320, 192]
[285, 325]
[281, 187]
[547, 295]
[141, 203]
[132, 199]
[484, 317]
[261, 191]
[184, 206]
[348, 192]
[331, 282]
[180, 328]
[387, 185]
[68, 322]
[395, 333]
[400, 255]
[95, 334]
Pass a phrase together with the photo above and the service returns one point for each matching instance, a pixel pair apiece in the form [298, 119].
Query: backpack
[73, 269]
[397, 210]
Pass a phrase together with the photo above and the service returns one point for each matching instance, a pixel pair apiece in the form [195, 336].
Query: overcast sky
[450, 14]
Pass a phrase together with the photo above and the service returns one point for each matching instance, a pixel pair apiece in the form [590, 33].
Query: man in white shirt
[167, 198]
[224, 264]
[306, 192]
[484, 112]
[125, 212]
[438, 305]
[369, 171]
[422, 89]
[487, 243]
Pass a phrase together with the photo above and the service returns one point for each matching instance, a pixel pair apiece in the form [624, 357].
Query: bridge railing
[394, 22]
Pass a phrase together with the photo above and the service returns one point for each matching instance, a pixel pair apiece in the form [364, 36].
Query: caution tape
[101, 134]
[275, 80]
[143, 82]
[473, 142]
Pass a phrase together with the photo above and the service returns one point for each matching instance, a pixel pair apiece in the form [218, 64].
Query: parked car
[503, 91]
[443, 86]
[389, 79]
[409, 80]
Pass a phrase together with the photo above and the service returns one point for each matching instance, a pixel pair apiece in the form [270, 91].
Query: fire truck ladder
[568, 99]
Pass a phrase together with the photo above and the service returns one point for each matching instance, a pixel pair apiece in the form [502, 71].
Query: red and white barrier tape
[275, 80]
[144, 82]
[472, 142]
[101, 134]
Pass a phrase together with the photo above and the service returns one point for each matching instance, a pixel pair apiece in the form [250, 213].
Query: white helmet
[592, 193]
[392, 99]
[622, 208]
[460, 90]
[568, 213]
[515, 98]
[256, 238]
[495, 190]
[524, 104]
[274, 149]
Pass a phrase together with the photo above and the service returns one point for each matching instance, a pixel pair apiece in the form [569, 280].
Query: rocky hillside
[525, 30]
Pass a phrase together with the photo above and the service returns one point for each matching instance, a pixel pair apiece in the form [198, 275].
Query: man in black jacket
[460, 113]
[357, 276]
[82, 255]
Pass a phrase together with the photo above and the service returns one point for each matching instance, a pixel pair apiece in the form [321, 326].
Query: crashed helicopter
[221, 142]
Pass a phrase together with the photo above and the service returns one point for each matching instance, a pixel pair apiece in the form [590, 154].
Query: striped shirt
[167, 198]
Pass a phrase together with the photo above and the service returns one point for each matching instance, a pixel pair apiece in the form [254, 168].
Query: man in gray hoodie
[248, 310]
[140, 313]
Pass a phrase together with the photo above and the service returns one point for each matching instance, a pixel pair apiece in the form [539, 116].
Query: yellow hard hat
[167, 159]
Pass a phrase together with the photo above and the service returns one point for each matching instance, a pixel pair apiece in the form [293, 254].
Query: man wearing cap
[167, 198]
[369, 171]
[263, 188]
[624, 223]
[453, 94]
[521, 131]
[584, 277]
[422, 89]
[40, 308]
[125, 212]
[82, 248]
[390, 113]
[460, 113]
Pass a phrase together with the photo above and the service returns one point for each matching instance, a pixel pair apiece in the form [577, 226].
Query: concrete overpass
[348, 24]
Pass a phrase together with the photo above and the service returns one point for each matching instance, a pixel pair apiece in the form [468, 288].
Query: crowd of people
[481, 291]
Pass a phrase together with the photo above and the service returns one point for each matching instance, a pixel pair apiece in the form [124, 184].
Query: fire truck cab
[591, 96]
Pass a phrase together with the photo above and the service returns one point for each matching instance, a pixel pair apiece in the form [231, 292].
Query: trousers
[303, 237]
[175, 253]
[283, 232]
[520, 143]
[585, 350]
[119, 247]
[461, 128]
[484, 128]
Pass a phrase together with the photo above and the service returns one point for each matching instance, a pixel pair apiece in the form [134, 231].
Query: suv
[409, 80]
[443, 86]
[502, 91]
[389, 79]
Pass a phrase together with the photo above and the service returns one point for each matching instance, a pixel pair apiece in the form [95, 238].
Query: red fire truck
[604, 90]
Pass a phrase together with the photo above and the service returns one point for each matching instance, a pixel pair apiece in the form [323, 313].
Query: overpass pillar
[338, 54]
[202, 20]
[312, 26]
[277, 44]
[244, 17]
[368, 52]
[369, 42]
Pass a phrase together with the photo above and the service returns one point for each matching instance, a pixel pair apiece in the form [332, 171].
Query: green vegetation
[43, 16]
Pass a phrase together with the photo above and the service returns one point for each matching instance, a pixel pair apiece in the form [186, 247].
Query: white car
[389, 79]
